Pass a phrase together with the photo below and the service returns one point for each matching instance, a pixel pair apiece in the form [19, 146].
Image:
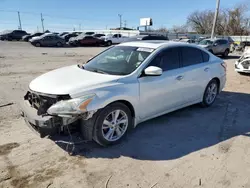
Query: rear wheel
[112, 124]
[225, 54]
[210, 93]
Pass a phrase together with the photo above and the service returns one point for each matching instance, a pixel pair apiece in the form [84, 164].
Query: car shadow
[231, 57]
[176, 134]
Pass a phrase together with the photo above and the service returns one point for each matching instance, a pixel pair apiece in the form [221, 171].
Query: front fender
[105, 96]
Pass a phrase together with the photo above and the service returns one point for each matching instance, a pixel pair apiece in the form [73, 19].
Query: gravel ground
[193, 147]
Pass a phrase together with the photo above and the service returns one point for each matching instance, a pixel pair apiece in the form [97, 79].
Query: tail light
[224, 65]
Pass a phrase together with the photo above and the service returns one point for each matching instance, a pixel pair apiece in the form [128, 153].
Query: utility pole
[42, 21]
[120, 16]
[125, 23]
[19, 18]
[215, 18]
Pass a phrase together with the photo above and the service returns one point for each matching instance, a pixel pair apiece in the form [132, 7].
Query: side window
[191, 56]
[167, 60]
[157, 61]
[205, 56]
[170, 59]
[115, 36]
[119, 35]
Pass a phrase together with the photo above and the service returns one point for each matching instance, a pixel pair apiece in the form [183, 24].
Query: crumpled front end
[243, 64]
[34, 109]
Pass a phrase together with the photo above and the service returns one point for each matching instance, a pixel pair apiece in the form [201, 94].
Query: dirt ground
[193, 147]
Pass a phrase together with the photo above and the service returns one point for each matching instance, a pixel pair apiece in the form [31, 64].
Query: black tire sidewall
[97, 134]
[59, 44]
[38, 43]
[204, 102]
[226, 53]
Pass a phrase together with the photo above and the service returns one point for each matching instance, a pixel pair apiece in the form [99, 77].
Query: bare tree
[230, 22]
[179, 29]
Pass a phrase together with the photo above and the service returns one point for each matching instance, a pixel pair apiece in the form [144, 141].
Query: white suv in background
[122, 87]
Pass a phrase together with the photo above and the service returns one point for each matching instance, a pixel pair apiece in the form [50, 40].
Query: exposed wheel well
[128, 104]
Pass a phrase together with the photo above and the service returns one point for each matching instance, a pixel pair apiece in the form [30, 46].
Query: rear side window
[191, 56]
[205, 56]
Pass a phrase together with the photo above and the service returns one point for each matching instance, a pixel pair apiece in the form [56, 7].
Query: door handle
[179, 78]
[206, 69]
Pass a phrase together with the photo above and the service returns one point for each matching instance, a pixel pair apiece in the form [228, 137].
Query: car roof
[156, 44]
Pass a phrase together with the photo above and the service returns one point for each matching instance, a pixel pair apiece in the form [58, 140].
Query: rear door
[196, 73]
[161, 93]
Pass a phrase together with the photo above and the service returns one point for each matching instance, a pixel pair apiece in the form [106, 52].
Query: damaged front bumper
[45, 125]
[240, 68]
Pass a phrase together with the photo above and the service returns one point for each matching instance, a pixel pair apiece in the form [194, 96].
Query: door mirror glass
[215, 44]
[153, 71]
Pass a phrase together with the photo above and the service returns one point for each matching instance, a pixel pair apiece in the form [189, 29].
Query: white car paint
[115, 38]
[149, 96]
[244, 59]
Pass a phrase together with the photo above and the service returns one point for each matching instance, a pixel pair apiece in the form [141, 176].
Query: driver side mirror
[153, 71]
[215, 44]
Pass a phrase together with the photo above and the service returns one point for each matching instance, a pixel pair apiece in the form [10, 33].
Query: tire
[59, 44]
[106, 135]
[9, 39]
[38, 44]
[211, 51]
[205, 102]
[109, 43]
[225, 54]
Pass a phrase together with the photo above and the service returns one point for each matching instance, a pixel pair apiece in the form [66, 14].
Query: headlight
[72, 106]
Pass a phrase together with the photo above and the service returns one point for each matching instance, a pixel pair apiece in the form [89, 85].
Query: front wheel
[109, 43]
[210, 93]
[59, 44]
[112, 124]
[38, 44]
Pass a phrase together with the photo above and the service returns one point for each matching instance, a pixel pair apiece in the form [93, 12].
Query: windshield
[118, 60]
[206, 42]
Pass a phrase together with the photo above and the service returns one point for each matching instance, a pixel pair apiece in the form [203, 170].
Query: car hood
[70, 80]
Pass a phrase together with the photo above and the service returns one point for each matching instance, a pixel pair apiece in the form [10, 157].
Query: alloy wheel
[115, 125]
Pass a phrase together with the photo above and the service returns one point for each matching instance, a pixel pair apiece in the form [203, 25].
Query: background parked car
[216, 46]
[187, 41]
[114, 39]
[69, 35]
[48, 39]
[63, 33]
[91, 41]
[98, 35]
[28, 37]
[12, 35]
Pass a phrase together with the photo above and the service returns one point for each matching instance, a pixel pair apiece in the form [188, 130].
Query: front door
[162, 93]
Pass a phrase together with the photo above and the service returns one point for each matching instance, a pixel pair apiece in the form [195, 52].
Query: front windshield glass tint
[206, 42]
[118, 60]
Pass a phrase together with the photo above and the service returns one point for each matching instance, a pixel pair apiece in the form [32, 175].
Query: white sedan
[122, 87]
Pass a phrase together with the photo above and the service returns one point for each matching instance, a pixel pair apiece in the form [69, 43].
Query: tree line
[232, 21]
